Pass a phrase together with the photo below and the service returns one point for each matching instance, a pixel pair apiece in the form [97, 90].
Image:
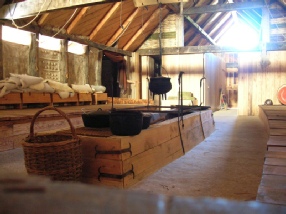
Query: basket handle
[32, 134]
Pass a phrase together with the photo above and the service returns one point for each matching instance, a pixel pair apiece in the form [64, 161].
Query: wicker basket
[54, 155]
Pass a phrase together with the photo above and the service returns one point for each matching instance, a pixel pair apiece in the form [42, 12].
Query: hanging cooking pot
[160, 85]
[96, 119]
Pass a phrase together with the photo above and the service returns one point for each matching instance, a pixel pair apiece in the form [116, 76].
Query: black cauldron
[160, 85]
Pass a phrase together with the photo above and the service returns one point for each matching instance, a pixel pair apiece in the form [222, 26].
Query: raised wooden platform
[272, 188]
[122, 161]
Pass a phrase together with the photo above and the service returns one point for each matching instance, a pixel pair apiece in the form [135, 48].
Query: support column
[33, 55]
[1, 55]
[94, 66]
[63, 66]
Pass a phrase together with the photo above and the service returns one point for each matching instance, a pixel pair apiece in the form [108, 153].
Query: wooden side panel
[37, 98]
[259, 79]
[57, 99]
[11, 98]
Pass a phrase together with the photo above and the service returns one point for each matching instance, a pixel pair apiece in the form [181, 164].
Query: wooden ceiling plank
[104, 20]
[30, 8]
[153, 18]
[201, 30]
[224, 7]
[43, 18]
[120, 31]
[76, 20]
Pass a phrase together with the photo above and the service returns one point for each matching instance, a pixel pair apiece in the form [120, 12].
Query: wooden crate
[122, 161]
[99, 97]
[70, 100]
[35, 98]
[84, 98]
[12, 99]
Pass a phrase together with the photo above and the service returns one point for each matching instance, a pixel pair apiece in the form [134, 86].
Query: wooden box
[57, 99]
[99, 97]
[122, 161]
[85, 98]
[29, 98]
[12, 99]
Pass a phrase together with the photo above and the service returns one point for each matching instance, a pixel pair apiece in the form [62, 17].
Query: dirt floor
[227, 164]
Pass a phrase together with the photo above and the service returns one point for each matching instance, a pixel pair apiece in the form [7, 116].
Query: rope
[29, 21]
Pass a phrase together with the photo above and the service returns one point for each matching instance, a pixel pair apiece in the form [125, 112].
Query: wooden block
[275, 154]
[275, 161]
[129, 181]
[29, 98]
[277, 131]
[274, 170]
[85, 98]
[12, 99]
[57, 99]
[277, 148]
[97, 97]
[277, 124]
[276, 141]
[271, 195]
[274, 181]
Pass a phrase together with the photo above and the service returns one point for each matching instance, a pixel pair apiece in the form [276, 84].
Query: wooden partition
[259, 78]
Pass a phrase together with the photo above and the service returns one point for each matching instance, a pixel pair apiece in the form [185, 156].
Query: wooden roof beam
[30, 8]
[151, 20]
[77, 19]
[104, 20]
[43, 18]
[274, 46]
[200, 30]
[225, 7]
[121, 30]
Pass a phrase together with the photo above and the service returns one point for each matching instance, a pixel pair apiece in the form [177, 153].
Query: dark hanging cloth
[121, 77]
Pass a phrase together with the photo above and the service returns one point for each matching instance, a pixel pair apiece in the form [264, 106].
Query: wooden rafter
[76, 20]
[43, 18]
[121, 30]
[224, 7]
[200, 30]
[30, 8]
[151, 20]
[104, 20]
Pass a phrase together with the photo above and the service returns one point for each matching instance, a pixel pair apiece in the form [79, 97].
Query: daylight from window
[240, 36]
[24, 38]
[16, 36]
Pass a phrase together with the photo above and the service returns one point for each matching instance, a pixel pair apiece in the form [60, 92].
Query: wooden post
[33, 55]
[1, 55]
[63, 61]
[94, 66]
[180, 28]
